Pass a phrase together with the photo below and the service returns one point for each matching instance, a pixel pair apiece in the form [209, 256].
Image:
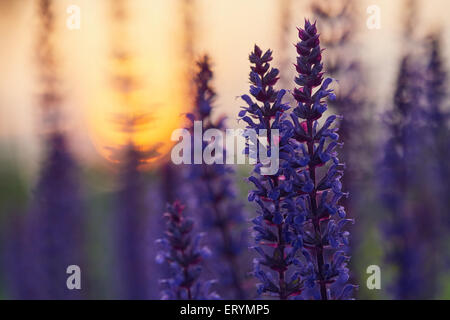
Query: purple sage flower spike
[275, 242]
[412, 224]
[184, 255]
[323, 219]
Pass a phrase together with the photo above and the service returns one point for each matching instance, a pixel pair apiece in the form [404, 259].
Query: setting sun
[162, 104]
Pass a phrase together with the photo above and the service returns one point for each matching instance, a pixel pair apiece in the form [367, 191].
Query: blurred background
[86, 117]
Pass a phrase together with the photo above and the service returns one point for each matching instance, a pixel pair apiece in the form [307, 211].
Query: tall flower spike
[51, 237]
[215, 198]
[321, 221]
[399, 228]
[275, 243]
[184, 255]
[412, 223]
[130, 219]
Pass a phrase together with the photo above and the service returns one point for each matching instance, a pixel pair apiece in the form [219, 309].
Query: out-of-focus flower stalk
[51, 238]
[274, 241]
[413, 224]
[324, 220]
[215, 198]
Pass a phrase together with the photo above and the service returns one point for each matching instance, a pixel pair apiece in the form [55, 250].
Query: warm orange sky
[227, 30]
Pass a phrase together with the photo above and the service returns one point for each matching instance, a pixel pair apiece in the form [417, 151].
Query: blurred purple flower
[215, 199]
[412, 226]
[51, 236]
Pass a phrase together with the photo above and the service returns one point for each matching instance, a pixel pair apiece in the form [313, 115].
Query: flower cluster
[184, 255]
[214, 197]
[300, 227]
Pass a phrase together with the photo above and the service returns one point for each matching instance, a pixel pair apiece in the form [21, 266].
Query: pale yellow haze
[225, 29]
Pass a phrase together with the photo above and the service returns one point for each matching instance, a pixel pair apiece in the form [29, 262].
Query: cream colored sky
[227, 31]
